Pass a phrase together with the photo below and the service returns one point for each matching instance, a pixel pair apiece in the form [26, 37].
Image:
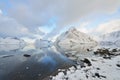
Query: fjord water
[41, 62]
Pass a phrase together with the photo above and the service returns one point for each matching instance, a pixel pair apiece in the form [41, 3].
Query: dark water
[39, 65]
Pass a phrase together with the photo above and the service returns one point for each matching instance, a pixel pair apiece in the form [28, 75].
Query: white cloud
[108, 27]
[67, 11]
[10, 27]
[35, 13]
[1, 12]
[83, 27]
[38, 12]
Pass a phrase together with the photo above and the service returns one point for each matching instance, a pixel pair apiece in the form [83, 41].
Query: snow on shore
[100, 69]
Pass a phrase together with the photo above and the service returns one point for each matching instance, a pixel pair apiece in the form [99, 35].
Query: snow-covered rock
[71, 39]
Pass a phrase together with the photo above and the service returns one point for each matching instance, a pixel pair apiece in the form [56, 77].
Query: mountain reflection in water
[42, 62]
[76, 51]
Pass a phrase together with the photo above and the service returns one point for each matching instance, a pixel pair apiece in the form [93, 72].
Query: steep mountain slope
[72, 38]
[113, 36]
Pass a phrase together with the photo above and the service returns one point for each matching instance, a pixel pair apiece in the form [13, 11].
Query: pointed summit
[74, 37]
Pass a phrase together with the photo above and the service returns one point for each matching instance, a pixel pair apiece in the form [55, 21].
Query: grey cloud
[34, 13]
[9, 27]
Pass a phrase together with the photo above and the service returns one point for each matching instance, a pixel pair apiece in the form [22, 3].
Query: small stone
[114, 50]
[86, 76]
[103, 76]
[107, 57]
[26, 55]
[97, 75]
[87, 62]
[118, 65]
[88, 50]
[98, 68]
[96, 53]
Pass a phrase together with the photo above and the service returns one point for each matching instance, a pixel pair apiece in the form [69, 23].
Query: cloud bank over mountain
[56, 14]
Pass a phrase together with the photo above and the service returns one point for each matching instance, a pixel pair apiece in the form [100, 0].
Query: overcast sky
[49, 17]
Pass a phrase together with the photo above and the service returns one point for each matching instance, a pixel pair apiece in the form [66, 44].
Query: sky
[48, 18]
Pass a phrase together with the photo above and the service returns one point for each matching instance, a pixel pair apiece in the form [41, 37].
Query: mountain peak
[72, 29]
[73, 35]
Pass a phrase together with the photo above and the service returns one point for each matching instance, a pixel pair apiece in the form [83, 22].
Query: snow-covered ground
[104, 66]
[99, 68]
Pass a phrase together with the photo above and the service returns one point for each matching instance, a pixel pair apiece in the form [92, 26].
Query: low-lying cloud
[108, 27]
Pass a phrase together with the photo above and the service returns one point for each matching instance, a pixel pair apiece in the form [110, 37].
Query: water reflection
[40, 43]
[78, 49]
[9, 47]
[75, 51]
[41, 64]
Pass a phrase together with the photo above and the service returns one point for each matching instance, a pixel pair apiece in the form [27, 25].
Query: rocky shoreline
[105, 65]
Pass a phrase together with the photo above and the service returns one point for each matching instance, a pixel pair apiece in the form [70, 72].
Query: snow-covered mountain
[113, 36]
[117, 42]
[110, 38]
[72, 38]
[10, 40]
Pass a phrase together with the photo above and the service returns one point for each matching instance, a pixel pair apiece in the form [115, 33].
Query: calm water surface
[42, 63]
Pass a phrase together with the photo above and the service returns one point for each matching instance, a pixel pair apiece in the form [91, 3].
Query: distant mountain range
[110, 38]
[71, 38]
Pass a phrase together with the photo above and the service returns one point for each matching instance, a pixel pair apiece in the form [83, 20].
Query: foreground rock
[106, 53]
